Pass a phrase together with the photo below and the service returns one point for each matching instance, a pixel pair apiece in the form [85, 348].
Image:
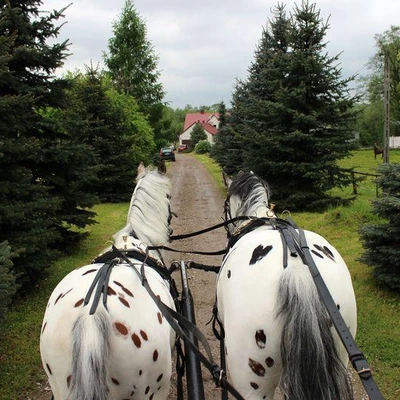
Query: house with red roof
[208, 121]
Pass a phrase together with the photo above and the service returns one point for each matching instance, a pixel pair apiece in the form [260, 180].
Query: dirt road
[199, 204]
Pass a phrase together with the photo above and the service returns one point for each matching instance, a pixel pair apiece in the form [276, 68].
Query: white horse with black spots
[277, 331]
[123, 350]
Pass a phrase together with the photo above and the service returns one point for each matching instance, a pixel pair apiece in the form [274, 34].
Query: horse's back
[140, 337]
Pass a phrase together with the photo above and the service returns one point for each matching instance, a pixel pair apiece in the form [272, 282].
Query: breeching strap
[180, 324]
[355, 355]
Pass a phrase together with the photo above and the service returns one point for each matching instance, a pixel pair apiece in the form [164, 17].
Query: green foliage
[381, 241]
[31, 213]
[202, 147]
[116, 131]
[291, 119]
[369, 123]
[197, 134]
[7, 278]
[131, 61]
[388, 43]
[228, 150]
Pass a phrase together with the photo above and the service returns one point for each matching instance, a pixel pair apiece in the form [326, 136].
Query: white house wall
[185, 136]
[214, 121]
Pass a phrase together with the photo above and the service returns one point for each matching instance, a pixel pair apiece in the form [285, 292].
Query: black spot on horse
[317, 254]
[325, 250]
[261, 339]
[259, 253]
[270, 362]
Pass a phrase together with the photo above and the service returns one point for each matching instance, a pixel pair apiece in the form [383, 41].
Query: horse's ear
[227, 181]
[162, 168]
[141, 168]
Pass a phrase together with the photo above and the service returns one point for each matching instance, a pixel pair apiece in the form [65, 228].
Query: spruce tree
[294, 112]
[227, 149]
[197, 134]
[7, 278]
[381, 241]
[108, 137]
[132, 62]
[28, 212]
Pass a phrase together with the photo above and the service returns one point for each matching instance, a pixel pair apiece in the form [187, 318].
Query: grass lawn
[378, 309]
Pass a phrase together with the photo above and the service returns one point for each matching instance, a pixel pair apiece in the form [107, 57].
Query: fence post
[353, 178]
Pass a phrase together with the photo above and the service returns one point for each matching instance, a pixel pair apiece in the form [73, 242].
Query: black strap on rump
[100, 283]
[181, 325]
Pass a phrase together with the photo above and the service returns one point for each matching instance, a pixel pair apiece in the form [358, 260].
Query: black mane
[244, 185]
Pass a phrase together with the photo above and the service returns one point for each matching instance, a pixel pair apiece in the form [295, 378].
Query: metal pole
[386, 128]
[194, 379]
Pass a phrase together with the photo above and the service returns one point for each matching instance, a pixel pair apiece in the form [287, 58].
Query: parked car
[167, 153]
[182, 147]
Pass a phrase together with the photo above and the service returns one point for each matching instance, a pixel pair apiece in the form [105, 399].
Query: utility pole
[386, 99]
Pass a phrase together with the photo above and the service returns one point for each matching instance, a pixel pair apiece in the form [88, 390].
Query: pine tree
[110, 138]
[7, 278]
[131, 61]
[293, 116]
[197, 134]
[28, 213]
[381, 241]
[227, 149]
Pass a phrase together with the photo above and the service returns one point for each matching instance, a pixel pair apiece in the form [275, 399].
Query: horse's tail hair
[311, 367]
[90, 357]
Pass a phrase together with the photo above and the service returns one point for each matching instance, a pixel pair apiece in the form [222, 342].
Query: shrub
[7, 278]
[381, 241]
[202, 147]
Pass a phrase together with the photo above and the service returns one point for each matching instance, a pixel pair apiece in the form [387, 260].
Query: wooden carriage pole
[194, 379]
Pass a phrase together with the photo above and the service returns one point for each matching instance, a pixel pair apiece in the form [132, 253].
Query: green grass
[20, 365]
[378, 309]
[213, 168]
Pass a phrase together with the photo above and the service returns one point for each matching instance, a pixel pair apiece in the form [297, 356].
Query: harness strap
[100, 283]
[355, 355]
[180, 324]
[205, 253]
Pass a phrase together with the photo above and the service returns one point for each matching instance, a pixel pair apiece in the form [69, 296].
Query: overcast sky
[204, 45]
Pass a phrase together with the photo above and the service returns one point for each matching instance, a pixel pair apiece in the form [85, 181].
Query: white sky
[204, 45]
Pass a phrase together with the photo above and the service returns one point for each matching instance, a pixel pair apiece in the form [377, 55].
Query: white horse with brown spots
[123, 350]
[277, 331]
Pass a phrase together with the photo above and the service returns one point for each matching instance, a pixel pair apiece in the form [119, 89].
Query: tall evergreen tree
[28, 212]
[116, 138]
[132, 64]
[227, 149]
[294, 111]
[131, 61]
[197, 134]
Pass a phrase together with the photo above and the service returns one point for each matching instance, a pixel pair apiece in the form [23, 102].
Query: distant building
[208, 121]
[394, 142]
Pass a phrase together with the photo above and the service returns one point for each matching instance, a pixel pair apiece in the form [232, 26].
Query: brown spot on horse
[121, 328]
[136, 340]
[256, 367]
